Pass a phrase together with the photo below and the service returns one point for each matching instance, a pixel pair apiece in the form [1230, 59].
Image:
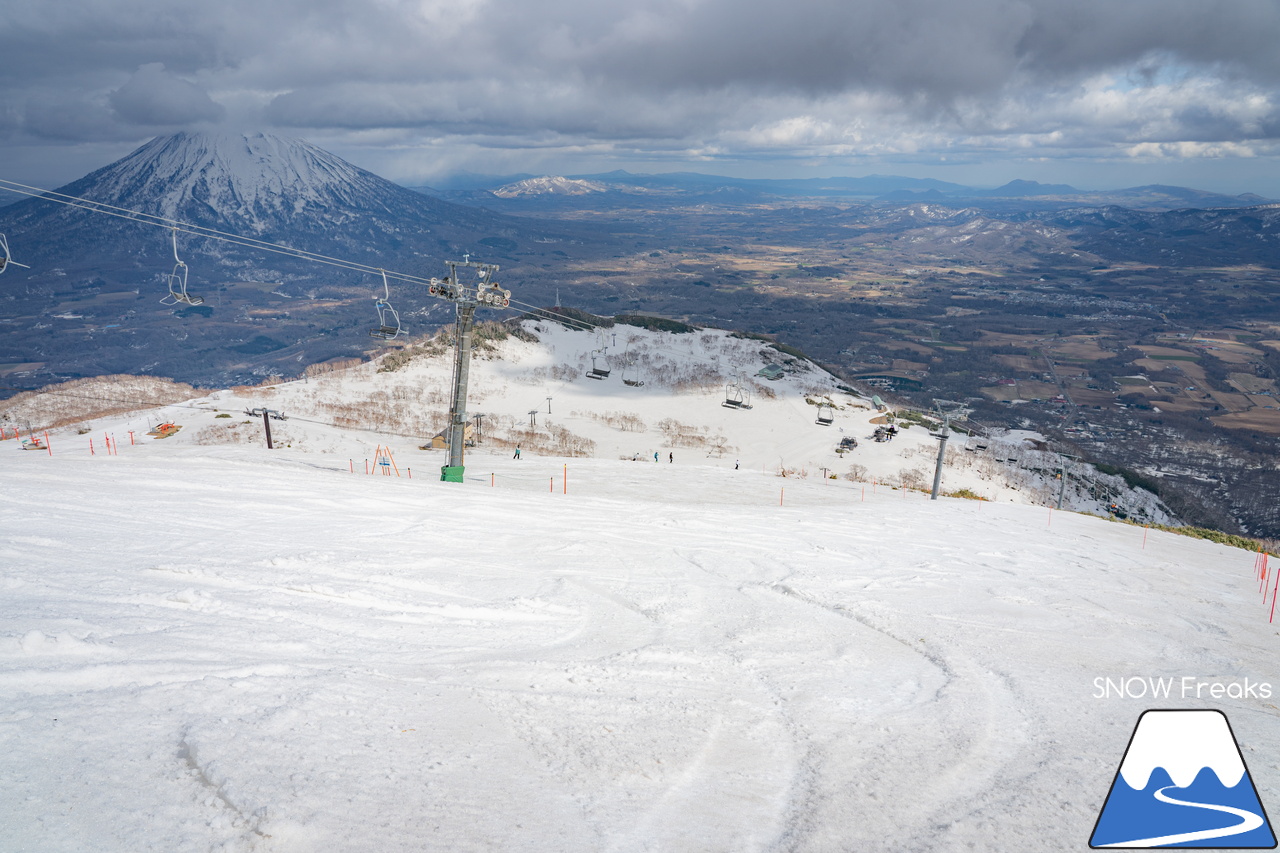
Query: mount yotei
[90, 302]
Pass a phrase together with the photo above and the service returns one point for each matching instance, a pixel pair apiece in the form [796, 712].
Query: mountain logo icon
[1183, 783]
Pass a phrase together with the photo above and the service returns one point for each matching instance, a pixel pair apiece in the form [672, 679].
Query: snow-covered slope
[220, 647]
[536, 393]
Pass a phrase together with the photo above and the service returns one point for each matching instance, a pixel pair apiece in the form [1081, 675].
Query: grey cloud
[1204, 123]
[751, 79]
[1238, 34]
[938, 49]
[69, 118]
[353, 105]
[522, 109]
[153, 96]
[41, 42]
[816, 46]
[935, 47]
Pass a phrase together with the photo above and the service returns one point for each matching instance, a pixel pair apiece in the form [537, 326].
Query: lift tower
[466, 296]
[947, 412]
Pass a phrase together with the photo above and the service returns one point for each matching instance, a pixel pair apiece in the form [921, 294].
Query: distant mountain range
[627, 189]
[90, 302]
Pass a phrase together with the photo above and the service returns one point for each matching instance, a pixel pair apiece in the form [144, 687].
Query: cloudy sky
[1096, 93]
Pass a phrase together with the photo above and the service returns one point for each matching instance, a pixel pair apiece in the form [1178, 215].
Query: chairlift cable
[289, 251]
[92, 206]
[200, 231]
[164, 222]
[278, 248]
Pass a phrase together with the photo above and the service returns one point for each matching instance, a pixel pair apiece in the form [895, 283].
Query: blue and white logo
[1183, 783]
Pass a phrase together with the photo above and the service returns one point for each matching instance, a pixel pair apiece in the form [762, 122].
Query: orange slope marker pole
[1271, 619]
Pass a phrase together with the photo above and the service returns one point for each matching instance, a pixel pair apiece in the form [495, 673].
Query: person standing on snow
[655, 456]
[671, 457]
[517, 456]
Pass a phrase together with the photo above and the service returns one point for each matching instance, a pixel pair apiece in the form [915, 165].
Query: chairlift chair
[826, 414]
[628, 370]
[736, 397]
[178, 281]
[6, 259]
[388, 319]
[599, 366]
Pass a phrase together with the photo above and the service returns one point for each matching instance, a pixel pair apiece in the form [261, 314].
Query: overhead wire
[90, 205]
[201, 231]
[248, 242]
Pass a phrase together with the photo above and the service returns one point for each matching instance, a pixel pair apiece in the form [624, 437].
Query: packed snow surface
[216, 647]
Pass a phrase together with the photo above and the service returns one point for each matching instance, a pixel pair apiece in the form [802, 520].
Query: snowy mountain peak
[254, 177]
[549, 185]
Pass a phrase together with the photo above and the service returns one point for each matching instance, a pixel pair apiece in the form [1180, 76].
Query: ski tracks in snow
[463, 670]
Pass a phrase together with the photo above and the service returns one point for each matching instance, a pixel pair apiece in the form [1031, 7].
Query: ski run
[206, 645]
